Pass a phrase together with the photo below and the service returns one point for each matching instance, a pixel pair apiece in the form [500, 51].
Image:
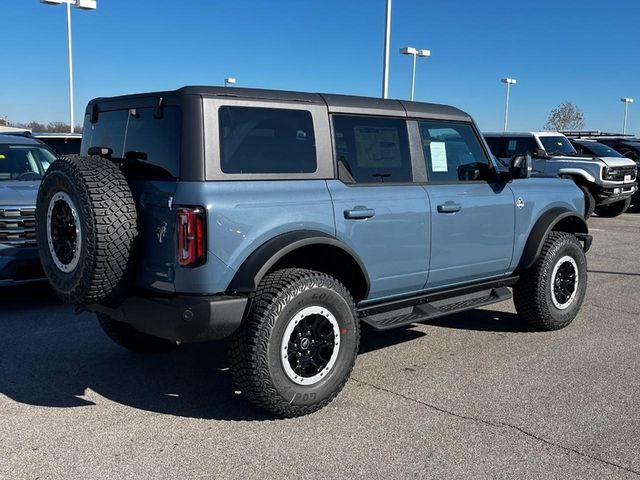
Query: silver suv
[607, 182]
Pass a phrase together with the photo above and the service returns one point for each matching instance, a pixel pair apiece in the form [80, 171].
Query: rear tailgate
[157, 222]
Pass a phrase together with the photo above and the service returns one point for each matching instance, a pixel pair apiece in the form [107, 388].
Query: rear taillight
[191, 236]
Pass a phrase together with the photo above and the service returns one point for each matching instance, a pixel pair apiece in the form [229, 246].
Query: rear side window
[452, 152]
[266, 140]
[138, 130]
[373, 150]
[507, 147]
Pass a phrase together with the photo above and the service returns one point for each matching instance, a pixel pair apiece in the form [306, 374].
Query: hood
[608, 161]
[18, 193]
[618, 161]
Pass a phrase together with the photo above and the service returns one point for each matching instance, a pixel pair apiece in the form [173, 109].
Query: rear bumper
[183, 318]
[19, 265]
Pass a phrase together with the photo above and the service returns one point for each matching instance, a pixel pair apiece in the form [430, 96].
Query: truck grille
[617, 174]
[18, 226]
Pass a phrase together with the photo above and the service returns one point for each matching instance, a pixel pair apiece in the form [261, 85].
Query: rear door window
[373, 149]
[255, 140]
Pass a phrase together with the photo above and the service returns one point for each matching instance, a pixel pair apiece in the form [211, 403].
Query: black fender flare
[260, 261]
[545, 224]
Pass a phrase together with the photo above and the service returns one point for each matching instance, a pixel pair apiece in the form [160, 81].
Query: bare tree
[36, 126]
[565, 116]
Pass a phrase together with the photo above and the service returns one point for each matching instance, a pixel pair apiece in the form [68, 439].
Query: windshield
[24, 162]
[600, 149]
[557, 145]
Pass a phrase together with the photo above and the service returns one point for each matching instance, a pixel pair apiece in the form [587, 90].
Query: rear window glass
[266, 140]
[137, 130]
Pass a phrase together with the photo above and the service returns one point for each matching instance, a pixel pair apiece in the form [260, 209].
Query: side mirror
[540, 153]
[520, 166]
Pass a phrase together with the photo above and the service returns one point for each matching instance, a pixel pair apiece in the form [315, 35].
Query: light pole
[508, 82]
[415, 53]
[84, 5]
[385, 58]
[626, 101]
[229, 81]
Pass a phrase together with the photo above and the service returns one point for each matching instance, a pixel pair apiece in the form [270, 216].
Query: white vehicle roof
[523, 134]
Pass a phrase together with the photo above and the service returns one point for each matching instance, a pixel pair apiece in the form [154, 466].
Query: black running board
[434, 309]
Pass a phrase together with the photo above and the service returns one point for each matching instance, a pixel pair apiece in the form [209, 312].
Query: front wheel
[295, 351]
[613, 209]
[589, 201]
[549, 295]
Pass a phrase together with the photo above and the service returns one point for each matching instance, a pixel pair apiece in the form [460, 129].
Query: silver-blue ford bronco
[286, 221]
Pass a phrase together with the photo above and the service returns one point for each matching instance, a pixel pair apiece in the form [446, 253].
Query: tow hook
[586, 240]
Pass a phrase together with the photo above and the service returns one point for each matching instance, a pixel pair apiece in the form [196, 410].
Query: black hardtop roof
[335, 102]
[18, 139]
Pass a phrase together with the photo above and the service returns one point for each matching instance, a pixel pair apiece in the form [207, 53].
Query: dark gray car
[23, 161]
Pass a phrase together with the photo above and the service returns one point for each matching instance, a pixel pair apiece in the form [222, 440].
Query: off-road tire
[589, 201]
[635, 203]
[130, 338]
[613, 209]
[108, 226]
[255, 349]
[532, 294]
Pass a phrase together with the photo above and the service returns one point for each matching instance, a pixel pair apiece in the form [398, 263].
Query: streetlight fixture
[415, 53]
[626, 101]
[84, 5]
[229, 81]
[508, 82]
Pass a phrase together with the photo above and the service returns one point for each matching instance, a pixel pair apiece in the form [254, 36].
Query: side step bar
[434, 309]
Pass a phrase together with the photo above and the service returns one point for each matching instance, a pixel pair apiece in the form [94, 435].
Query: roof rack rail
[592, 133]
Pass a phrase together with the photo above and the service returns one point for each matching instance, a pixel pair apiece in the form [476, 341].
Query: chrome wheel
[564, 282]
[310, 345]
[64, 236]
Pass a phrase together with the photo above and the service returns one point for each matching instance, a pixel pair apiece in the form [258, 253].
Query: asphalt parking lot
[476, 395]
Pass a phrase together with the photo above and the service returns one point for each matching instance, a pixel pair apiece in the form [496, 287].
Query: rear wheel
[295, 351]
[613, 209]
[589, 201]
[549, 295]
[130, 338]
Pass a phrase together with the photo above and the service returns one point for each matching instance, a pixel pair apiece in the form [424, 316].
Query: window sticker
[438, 157]
[378, 147]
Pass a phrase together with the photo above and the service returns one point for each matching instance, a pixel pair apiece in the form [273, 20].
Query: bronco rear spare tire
[86, 227]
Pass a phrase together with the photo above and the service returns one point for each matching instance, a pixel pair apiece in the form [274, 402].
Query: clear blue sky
[583, 51]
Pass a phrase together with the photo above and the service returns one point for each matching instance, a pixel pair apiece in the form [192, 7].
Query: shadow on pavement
[483, 320]
[50, 357]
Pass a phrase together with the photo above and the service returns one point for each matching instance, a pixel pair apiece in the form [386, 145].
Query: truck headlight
[606, 174]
